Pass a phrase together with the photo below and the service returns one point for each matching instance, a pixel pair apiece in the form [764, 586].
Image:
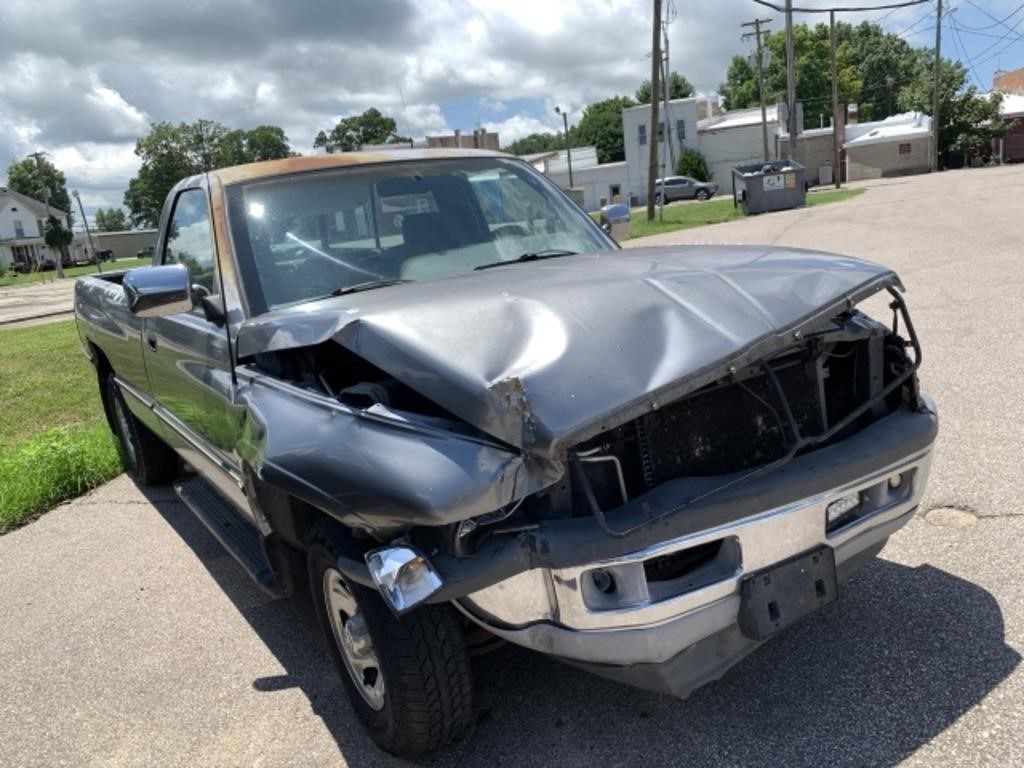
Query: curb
[41, 316]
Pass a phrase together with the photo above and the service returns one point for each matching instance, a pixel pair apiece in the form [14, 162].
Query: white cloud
[90, 80]
[518, 126]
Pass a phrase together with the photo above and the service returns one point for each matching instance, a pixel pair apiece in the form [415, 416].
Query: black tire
[427, 699]
[146, 458]
[657, 198]
[702, 194]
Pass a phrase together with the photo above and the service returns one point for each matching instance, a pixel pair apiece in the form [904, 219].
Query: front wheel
[408, 677]
[702, 194]
[146, 458]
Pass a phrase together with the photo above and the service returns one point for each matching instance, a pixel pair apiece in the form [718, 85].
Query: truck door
[187, 356]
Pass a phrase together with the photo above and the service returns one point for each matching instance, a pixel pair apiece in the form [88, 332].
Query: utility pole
[836, 144]
[652, 163]
[790, 82]
[568, 147]
[665, 85]
[88, 234]
[756, 24]
[935, 102]
[38, 156]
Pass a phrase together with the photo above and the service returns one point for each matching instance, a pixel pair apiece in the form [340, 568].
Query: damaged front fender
[379, 470]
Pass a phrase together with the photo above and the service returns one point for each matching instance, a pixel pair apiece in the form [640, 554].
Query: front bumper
[673, 635]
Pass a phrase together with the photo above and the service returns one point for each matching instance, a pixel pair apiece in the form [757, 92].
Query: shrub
[691, 163]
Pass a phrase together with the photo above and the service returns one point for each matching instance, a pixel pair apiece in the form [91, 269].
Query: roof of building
[697, 97]
[1012, 105]
[307, 163]
[738, 118]
[28, 203]
[904, 127]
[533, 157]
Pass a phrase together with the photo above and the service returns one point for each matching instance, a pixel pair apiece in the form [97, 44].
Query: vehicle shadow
[864, 682]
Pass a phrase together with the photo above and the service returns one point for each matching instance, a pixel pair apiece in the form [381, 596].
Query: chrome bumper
[564, 612]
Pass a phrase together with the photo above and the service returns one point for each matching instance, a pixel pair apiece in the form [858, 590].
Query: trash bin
[615, 221]
[773, 186]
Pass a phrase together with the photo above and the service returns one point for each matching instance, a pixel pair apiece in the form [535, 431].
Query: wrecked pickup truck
[428, 387]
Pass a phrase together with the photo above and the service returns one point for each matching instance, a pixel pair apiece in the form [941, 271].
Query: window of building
[190, 241]
[642, 133]
[19, 229]
[904, 149]
[661, 132]
[614, 192]
[680, 131]
[41, 224]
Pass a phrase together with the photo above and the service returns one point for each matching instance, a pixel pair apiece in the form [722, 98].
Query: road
[37, 302]
[129, 638]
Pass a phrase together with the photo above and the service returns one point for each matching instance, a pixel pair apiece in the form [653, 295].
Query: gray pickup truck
[426, 386]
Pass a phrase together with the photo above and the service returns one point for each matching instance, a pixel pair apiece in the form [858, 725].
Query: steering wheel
[510, 230]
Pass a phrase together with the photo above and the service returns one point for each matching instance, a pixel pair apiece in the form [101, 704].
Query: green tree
[601, 126]
[968, 121]
[41, 180]
[691, 163]
[678, 88]
[172, 152]
[536, 142]
[112, 220]
[265, 142]
[351, 133]
[812, 51]
[57, 237]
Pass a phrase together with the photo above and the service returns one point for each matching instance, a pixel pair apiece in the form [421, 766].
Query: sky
[82, 80]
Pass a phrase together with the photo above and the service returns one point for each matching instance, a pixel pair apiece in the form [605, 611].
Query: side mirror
[615, 221]
[158, 291]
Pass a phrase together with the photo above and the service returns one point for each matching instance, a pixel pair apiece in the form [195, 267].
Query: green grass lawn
[694, 214]
[11, 279]
[54, 440]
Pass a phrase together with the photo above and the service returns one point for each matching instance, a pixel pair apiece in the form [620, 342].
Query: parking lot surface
[130, 638]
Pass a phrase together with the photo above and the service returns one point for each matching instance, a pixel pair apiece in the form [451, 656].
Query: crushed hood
[544, 354]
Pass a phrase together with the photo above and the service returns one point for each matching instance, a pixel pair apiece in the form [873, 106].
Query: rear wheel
[408, 677]
[657, 198]
[147, 458]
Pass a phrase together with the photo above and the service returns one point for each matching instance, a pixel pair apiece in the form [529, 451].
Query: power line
[1012, 29]
[843, 9]
[996, 23]
[962, 50]
[904, 31]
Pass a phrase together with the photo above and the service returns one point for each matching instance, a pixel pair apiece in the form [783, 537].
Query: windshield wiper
[550, 253]
[369, 285]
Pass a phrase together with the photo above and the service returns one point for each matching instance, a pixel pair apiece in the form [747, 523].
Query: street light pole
[568, 147]
[88, 234]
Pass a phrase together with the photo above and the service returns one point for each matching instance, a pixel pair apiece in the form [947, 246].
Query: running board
[238, 536]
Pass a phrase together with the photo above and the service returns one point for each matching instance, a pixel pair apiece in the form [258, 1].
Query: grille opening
[739, 423]
[680, 564]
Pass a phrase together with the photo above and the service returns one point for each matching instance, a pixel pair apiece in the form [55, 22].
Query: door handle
[151, 341]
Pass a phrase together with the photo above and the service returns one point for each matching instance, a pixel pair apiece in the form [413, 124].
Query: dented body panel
[545, 356]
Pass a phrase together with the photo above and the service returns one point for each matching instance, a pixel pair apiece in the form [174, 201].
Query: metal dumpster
[771, 186]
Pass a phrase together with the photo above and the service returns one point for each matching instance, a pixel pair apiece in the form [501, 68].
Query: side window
[189, 238]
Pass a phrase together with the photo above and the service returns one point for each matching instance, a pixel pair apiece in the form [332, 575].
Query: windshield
[306, 236]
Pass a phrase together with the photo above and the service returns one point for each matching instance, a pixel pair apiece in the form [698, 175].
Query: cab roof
[239, 173]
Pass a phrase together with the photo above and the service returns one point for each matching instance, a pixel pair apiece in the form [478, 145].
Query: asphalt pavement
[129, 638]
[37, 301]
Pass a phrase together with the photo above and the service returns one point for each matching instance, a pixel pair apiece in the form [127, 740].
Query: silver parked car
[684, 188]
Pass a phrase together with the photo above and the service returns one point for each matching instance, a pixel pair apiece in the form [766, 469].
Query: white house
[681, 116]
[22, 224]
